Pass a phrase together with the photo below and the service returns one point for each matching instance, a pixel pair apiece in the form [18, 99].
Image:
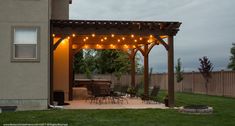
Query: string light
[135, 40]
[53, 35]
[84, 40]
[99, 46]
[93, 35]
[141, 38]
[119, 40]
[105, 38]
[123, 38]
[87, 37]
[151, 36]
[102, 40]
[112, 35]
[68, 38]
[73, 35]
[132, 36]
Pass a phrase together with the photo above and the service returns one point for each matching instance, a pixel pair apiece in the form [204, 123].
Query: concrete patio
[133, 103]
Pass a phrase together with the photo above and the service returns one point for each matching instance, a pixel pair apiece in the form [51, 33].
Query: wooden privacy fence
[222, 83]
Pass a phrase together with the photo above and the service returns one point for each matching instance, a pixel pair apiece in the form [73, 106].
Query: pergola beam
[160, 40]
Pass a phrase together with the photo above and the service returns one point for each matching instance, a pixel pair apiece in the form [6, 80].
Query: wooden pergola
[128, 36]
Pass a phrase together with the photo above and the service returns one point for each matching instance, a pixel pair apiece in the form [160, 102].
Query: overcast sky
[208, 26]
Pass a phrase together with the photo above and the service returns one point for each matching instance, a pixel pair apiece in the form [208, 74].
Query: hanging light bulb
[93, 35]
[132, 36]
[112, 35]
[73, 35]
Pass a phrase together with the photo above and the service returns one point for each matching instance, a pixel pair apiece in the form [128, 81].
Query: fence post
[222, 78]
[192, 81]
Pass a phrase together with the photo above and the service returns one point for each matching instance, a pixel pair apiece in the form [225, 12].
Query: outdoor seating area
[102, 94]
[96, 91]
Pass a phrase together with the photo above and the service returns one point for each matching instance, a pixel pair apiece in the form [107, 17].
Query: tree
[78, 62]
[179, 71]
[231, 65]
[205, 69]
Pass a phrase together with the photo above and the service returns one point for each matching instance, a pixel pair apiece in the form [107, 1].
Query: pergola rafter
[128, 36]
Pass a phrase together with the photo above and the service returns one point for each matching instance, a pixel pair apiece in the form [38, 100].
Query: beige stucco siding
[25, 81]
[60, 9]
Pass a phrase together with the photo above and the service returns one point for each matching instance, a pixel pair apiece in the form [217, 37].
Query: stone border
[208, 110]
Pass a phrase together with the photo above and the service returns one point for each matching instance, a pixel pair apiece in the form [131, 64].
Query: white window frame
[37, 52]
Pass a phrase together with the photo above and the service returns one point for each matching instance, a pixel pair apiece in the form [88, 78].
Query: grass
[224, 115]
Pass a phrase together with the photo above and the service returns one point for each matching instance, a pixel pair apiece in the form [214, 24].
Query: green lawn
[224, 115]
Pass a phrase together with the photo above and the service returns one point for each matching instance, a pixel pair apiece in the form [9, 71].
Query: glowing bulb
[87, 37]
[73, 35]
[123, 38]
[84, 40]
[135, 40]
[112, 35]
[53, 35]
[102, 40]
[68, 38]
[105, 38]
[141, 38]
[133, 46]
[132, 36]
[119, 40]
[93, 35]
[151, 36]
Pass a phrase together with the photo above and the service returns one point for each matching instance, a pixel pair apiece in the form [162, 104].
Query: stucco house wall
[26, 84]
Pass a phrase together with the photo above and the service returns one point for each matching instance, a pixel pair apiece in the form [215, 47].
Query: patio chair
[118, 94]
[152, 96]
[100, 94]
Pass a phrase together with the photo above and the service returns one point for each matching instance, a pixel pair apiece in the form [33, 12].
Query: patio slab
[133, 103]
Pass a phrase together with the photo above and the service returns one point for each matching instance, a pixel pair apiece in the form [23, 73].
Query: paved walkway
[133, 103]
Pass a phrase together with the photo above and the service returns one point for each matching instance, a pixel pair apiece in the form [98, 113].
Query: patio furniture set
[102, 91]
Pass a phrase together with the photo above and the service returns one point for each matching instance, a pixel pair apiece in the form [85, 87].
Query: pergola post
[171, 71]
[146, 70]
[71, 78]
[132, 58]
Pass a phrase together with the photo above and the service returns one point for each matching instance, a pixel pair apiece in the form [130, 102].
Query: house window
[25, 44]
